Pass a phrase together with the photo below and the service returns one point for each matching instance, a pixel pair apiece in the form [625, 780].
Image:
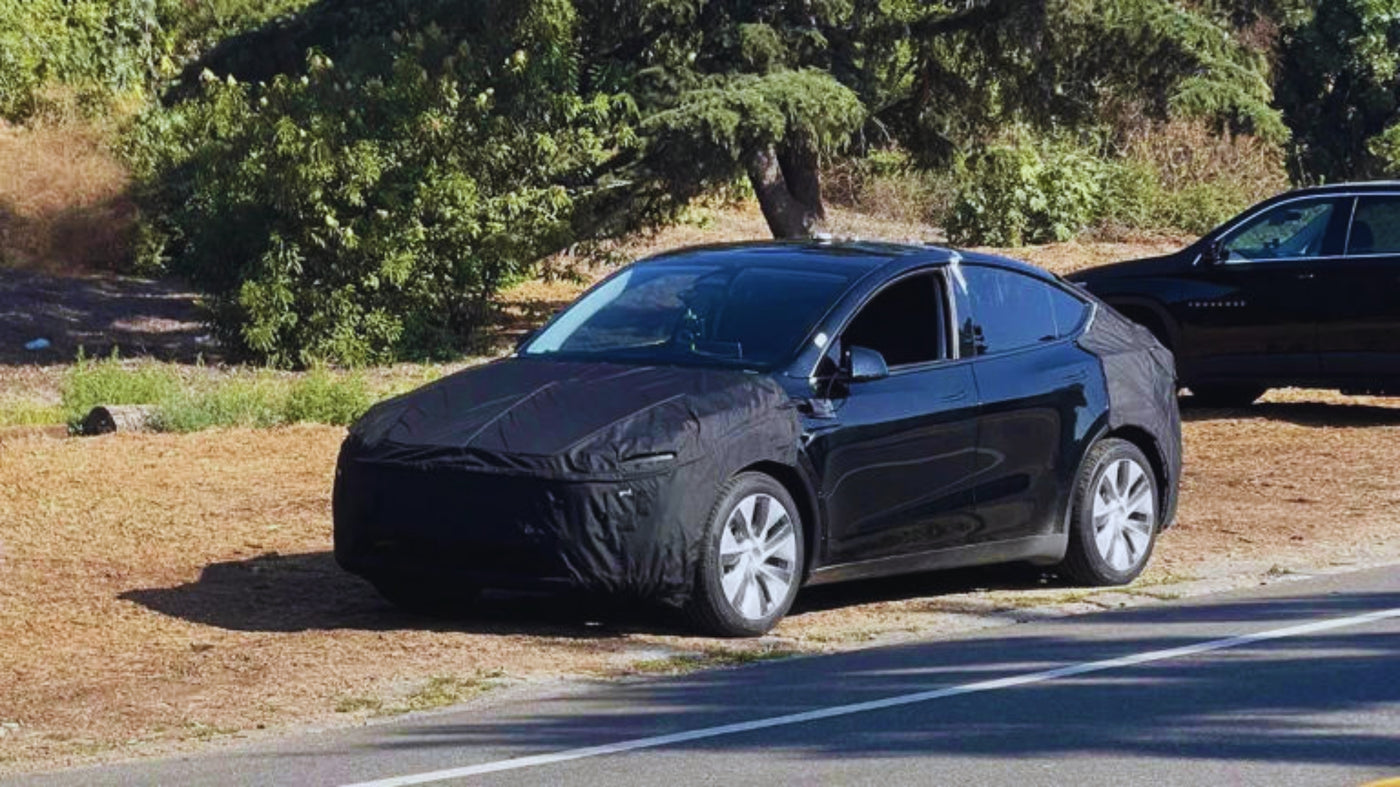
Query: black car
[714, 427]
[1302, 289]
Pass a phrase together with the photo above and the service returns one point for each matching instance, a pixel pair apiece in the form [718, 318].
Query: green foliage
[203, 400]
[1339, 87]
[1024, 192]
[725, 116]
[1173, 176]
[100, 48]
[320, 397]
[1385, 148]
[353, 181]
[106, 50]
[369, 209]
[252, 401]
[92, 382]
[19, 411]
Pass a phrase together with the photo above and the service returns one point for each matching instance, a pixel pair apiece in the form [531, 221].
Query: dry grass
[63, 198]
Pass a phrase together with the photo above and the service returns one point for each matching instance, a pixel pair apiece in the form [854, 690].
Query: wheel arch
[1151, 315]
[802, 494]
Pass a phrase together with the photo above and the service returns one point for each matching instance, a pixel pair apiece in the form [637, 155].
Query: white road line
[880, 704]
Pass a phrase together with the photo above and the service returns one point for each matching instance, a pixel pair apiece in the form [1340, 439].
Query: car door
[1359, 329]
[1034, 384]
[1257, 318]
[895, 455]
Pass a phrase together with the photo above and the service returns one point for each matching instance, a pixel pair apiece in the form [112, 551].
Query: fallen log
[108, 418]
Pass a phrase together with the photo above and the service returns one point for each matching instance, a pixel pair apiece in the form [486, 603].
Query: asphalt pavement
[1297, 683]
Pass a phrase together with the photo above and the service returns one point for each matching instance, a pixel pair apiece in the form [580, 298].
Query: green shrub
[1025, 192]
[92, 382]
[100, 48]
[321, 397]
[255, 401]
[369, 210]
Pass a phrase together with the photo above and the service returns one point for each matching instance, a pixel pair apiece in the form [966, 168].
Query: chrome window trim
[1354, 196]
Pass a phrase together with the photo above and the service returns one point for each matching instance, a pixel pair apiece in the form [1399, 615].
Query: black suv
[1302, 289]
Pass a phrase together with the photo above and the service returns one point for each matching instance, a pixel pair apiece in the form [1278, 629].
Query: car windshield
[746, 316]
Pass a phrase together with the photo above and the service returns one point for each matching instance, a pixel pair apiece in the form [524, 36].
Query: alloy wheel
[1124, 514]
[758, 555]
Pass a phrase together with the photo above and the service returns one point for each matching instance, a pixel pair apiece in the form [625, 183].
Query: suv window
[1375, 227]
[1010, 310]
[1289, 231]
[904, 322]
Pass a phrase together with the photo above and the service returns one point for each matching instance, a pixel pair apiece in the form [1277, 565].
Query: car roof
[1345, 188]
[851, 255]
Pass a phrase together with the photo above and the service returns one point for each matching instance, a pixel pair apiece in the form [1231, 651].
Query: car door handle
[954, 396]
[1307, 276]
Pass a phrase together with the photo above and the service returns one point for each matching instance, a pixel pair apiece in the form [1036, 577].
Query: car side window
[1375, 226]
[1069, 311]
[1010, 310]
[904, 322]
[1292, 230]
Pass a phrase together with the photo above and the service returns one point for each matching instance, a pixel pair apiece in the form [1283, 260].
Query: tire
[740, 589]
[1109, 544]
[422, 597]
[1224, 395]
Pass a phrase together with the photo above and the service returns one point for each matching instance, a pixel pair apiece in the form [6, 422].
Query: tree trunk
[793, 208]
[104, 419]
[802, 171]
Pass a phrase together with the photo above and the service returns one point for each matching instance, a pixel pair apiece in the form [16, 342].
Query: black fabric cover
[596, 476]
[1141, 379]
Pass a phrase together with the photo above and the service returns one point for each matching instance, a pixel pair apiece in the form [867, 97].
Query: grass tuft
[92, 382]
[27, 412]
[197, 399]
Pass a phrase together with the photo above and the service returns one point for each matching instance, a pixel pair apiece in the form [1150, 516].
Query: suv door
[895, 458]
[1259, 321]
[1359, 329]
[1034, 383]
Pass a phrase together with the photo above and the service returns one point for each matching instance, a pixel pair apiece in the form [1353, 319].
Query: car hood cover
[564, 419]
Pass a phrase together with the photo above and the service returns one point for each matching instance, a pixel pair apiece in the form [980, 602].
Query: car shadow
[1318, 414]
[309, 592]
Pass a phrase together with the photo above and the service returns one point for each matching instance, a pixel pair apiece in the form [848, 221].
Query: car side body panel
[1328, 318]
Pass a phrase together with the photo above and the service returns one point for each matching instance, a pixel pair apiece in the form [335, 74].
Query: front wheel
[751, 563]
[1113, 522]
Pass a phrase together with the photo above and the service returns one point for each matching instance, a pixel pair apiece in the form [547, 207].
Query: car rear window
[1375, 227]
[1011, 310]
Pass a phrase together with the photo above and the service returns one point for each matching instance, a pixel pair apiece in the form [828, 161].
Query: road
[1297, 683]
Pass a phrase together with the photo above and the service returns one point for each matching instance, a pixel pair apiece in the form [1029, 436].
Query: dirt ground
[160, 591]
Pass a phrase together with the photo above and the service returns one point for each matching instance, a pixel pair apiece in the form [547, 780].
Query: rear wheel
[1224, 395]
[751, 563]
[1113, 522]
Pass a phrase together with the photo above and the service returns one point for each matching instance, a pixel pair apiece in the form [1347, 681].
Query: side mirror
[864, 364]
[1214, 252]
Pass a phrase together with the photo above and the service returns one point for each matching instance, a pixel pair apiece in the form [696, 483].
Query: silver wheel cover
[1124, 514]
[757, 556]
